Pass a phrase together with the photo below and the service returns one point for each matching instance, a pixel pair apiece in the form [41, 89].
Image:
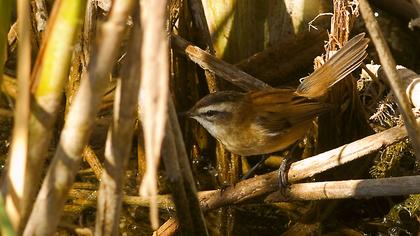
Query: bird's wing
[280, 109]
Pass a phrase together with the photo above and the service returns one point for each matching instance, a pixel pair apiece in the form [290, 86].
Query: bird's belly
[254, 143]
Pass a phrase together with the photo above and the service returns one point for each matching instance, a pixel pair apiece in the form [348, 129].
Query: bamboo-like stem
[153, 94]
[14, 187]
[219, 67]
[77, 129]
[394, 80]
[118, 144]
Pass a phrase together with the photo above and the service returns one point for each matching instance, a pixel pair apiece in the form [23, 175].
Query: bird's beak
[185, 114]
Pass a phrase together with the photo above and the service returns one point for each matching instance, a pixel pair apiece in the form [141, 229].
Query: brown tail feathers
[342, 63]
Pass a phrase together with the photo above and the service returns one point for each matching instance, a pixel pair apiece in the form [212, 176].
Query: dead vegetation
[93, 140]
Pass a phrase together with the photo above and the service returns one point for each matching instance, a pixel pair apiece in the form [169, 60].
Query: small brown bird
[269, 120]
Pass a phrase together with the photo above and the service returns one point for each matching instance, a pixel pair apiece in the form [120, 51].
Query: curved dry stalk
[76, 132]
[394, 80]
[14, 186]
[153, 94]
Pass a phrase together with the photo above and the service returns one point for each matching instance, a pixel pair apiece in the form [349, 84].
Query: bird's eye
[210, 113]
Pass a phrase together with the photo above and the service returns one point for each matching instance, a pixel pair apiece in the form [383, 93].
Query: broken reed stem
[77, 129]
[219, 67]
[388, 63]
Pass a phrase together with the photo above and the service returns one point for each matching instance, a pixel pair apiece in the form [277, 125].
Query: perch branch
[362, 188]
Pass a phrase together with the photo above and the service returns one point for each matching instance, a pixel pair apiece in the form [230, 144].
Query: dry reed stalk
[187, 176]
[154, 93]
[14, 186]
[119, 140]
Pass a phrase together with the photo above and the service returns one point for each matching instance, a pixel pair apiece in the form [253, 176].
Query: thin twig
[389, 65]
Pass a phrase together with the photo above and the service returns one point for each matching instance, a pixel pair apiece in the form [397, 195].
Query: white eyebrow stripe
[223, 107]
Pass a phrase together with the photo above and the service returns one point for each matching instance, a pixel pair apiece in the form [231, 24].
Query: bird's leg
[284, 169]
[255, 167]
